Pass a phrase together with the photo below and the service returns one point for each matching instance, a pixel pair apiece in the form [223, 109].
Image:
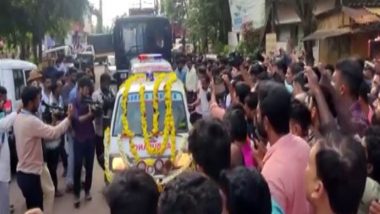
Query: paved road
[64, 205]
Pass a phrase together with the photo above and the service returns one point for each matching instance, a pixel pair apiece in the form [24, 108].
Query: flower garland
[106, 142]
[169, 127]
[156, 113]
[124, 120]
[144, 125]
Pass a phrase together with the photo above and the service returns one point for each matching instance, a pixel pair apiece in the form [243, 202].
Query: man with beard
[84, 139]
[29, 131]
[105, 96]
[286, 159]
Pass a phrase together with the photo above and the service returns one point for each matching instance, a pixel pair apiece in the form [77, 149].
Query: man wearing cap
[35, 78]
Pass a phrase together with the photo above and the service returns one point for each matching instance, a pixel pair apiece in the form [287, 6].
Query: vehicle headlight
[118, 164]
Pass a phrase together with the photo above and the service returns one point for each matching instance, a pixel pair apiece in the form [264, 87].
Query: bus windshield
[134, 36]
[134, 113]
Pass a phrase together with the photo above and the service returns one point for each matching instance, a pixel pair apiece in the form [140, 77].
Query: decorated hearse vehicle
[150, 122]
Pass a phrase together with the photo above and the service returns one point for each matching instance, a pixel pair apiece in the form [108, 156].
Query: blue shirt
[73, 94]
[181, 74]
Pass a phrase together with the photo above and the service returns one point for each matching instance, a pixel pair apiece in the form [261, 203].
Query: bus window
[133, 37]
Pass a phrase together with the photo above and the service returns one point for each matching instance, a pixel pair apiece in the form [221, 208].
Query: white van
[13, 76]
[54, 53]
[119, 153]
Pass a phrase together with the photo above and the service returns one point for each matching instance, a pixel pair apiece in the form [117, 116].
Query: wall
[332, 49]
[359, 44]
[333, 21]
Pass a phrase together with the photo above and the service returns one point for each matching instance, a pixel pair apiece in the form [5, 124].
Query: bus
[135, 35]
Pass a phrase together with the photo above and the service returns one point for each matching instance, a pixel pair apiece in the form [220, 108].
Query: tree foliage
[206, 21]
[21, 20]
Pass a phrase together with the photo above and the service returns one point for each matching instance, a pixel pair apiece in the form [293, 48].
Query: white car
[110, 66]
[120, 153]
[13, 76]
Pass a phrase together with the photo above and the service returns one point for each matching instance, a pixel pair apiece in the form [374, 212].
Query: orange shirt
[284, 167]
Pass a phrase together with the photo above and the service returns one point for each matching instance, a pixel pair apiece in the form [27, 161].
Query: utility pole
[100, 17]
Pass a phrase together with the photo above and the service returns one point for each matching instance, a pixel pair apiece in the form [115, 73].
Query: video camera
[96, 107]
[52, 110]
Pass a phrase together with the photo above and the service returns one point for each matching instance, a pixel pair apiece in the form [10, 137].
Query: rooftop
[361, 3]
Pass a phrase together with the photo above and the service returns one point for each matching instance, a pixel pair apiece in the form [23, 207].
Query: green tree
[206, 21]
[25, 21]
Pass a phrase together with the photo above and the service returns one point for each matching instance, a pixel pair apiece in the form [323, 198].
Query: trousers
[83, 151]
[4, 198]
[52, 159]
[48, 190]
[99, 148]
[30, 185]
[69, 147]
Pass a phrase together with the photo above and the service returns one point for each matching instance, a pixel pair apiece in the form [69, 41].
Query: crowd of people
[270, 135]
[57, 122]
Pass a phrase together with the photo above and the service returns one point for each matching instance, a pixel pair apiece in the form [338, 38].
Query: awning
[286, 15]
[323, 6]
[323, 34]
[374, 10]
[361, 15]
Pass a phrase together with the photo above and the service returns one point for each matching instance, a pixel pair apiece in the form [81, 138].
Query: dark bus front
[141, 34]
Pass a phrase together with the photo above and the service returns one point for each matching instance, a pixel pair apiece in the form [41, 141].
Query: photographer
[104, 96]
[54, 114]
[84, 139]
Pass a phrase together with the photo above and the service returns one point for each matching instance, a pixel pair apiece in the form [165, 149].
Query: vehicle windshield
[133, 38]
[134, 114]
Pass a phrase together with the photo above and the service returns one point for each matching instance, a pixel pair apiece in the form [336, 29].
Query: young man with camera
[106, 98]
[54, 113]
[84, 139]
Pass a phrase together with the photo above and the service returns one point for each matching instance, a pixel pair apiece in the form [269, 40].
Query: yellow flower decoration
[156, 113]
[124, 120]
[106, 141]
[169, 127]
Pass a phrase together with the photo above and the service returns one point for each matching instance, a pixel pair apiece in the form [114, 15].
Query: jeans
[52, 159]
[30, 185]
[69, 147]
[62, 152]
[4, 197]
[99, 147]
[83, 151]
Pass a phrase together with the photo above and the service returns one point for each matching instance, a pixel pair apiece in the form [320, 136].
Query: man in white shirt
[6, 124]
[191, 79]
